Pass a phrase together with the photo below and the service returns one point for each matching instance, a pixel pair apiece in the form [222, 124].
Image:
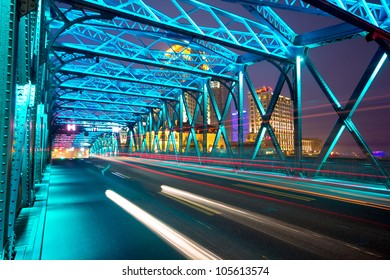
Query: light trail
[192, 204]
[242, 163]
[363, 203]
[327, 247]
[183, 244]
[292, 187]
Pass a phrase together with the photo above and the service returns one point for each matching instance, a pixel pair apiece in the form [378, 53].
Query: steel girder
[144, 48]
[22, 163]
[106, 144]
[345, 114]
[109, 99]
[130, 73]
[8, 37]
[118, 87]
[152, 36]
[87, 115]
[135, 36]
[371, 14]
[360, 18]
[229, 29]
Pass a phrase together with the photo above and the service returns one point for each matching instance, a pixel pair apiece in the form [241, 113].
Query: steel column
[181, 111]
[297, 103]
[205, 115]
[240, 109]
[8, 51]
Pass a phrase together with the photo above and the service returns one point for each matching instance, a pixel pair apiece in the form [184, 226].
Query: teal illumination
[334, 142]
[259, 139]
[368, 84]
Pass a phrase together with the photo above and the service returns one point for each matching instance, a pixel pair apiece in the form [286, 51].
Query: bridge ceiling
[112, 61]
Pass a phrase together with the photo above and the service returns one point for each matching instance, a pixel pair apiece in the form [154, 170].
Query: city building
[281, 120]
[311, 146]
[221, 93]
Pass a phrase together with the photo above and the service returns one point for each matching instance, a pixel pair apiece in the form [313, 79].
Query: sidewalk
[30, 223]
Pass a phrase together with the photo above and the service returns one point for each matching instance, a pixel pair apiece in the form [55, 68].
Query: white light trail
[308, 240]
[183, 244]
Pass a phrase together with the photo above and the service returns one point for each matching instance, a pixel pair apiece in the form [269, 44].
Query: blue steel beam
[159, 59]
[118, 87]
[289, 5]
[269, 17]
[131, 73]
[369, 13]
[228, 30]
[142, 44]
[329, 35]
[66, 17]
[360, 18]
[86, 115]
[346, 113]
[105, 98]
[8, 66]
[359, 21]
[373, 18]
[94, 106]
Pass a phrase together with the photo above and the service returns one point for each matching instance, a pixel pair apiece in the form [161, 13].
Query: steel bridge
[137, 65]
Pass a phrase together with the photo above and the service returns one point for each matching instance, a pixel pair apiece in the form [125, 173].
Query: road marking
[182, 243]
[120, 175]
[274, 192]
[105, 169]
[192, 204]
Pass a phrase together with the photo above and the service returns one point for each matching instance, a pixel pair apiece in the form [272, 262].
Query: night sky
[342, 65]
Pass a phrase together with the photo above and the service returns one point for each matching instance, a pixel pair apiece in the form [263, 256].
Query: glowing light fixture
[183, 244]
[71, 127]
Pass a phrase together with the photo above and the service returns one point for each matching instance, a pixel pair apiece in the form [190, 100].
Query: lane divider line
[120, 175]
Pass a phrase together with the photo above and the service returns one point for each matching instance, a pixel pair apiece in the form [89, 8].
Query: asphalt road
[221, 214]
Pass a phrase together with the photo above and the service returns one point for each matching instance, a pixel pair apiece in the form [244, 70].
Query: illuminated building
[221, 93]
[311, 145]
[281, 120]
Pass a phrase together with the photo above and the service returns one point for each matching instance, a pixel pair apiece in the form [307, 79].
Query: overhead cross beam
[156, 77]
[359, 19]
[250, 37]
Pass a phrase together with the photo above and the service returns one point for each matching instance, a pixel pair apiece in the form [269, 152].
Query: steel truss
[108, 59]
[104, 64]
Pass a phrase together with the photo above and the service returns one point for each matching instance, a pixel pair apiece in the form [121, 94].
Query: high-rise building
[281, 120]
[220, 93]
[191, 103]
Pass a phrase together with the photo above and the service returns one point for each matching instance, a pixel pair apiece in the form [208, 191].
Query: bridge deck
[73, 219]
